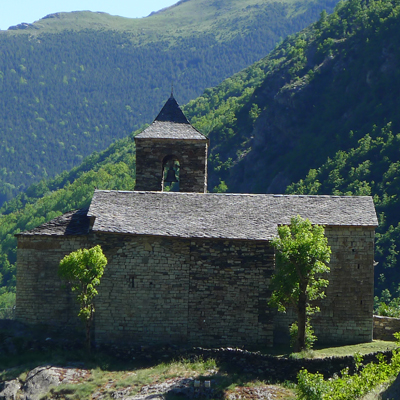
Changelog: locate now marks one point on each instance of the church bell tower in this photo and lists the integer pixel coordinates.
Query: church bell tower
(171, 154)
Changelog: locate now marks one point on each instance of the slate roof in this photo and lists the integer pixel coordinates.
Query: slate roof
(72, 223)
(171, 123)
(209, 215)
(234, 216)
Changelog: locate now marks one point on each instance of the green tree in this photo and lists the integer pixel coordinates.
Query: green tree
(302, 255)
(83, 269)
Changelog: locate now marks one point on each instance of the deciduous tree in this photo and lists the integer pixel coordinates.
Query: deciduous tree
(83, 269)
(302, 255)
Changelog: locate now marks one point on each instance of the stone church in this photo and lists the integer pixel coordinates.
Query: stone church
(190, 267)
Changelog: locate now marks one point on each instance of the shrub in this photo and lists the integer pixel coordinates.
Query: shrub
(310, 337)
(345, 386)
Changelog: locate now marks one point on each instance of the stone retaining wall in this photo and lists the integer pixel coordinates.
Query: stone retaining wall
(385, 327)
(263, 367)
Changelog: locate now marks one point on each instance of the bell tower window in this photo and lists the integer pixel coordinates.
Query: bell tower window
(171, 169)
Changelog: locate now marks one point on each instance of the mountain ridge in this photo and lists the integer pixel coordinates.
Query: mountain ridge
(185, 16)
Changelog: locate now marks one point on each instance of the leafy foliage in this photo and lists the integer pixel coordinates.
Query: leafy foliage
(309, 339)
(348, 387)
(83, 269)
(7, 304)
(387, 306)
(302, 255)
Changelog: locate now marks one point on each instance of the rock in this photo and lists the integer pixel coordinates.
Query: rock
(8, 390)
(39, 381)
(182, 387)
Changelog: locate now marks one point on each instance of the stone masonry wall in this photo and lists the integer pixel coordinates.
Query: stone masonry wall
(200, 292)
(156, 290)
(385, 327)
(41, 296)
(346, 312)
(143, 296)
(229, 290)
(192, 156)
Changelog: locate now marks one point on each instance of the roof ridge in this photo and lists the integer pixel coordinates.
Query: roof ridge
(331, 196)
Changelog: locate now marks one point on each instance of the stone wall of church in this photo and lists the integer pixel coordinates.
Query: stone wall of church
(192, 156)
(156, 290)
(202, 292)
(229, 291)
(386, 327)
(41, 296)
(346, 312)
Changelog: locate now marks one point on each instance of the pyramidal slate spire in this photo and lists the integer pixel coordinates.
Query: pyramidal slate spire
(171, 112)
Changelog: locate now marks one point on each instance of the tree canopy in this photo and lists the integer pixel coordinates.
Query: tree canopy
(83, 269)
(302, 255)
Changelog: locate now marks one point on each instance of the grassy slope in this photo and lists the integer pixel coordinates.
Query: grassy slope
(185, 18)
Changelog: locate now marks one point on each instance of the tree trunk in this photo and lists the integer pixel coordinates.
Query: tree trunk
(88, 329)
(301, 319)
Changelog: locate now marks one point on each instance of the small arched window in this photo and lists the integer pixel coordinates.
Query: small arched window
(171, 168)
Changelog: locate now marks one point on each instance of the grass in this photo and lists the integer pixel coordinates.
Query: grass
(320, 351)
(187, 19)
(362, 348)
(105, 374)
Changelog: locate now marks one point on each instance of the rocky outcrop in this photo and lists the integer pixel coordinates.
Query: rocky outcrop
(24, 25)
(9, 390)
(39, 381)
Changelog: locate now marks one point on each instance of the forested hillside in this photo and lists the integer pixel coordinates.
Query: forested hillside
(329, 91)
(319, 92)
(72, 83)
(372, 167)
(322, 110)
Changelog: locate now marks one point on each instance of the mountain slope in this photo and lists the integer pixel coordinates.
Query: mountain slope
(320, 91)
(72, 83)
(315, 96)
(184, 19)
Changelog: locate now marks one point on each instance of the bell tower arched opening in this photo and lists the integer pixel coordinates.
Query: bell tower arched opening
(170, 174)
